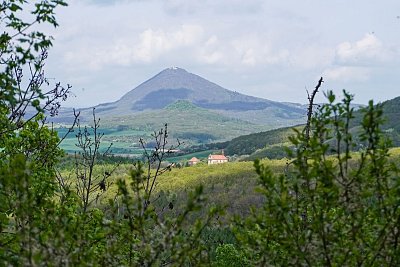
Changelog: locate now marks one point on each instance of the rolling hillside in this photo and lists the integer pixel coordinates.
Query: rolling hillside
(392, 125)
(271, 143)
(186, 122)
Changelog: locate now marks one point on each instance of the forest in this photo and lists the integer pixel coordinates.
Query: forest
(333, 200)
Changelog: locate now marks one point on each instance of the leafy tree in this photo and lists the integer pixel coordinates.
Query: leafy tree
(228, 255)
(141, 237)
(23, 51)
(28, 150)
(331, 207)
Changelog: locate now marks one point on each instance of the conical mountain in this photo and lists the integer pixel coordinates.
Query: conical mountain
(197, 111)
(173, 84)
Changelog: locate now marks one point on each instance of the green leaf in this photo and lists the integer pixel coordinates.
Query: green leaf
(15, 7)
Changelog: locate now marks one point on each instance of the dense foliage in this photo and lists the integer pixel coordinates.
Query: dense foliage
(338, 210)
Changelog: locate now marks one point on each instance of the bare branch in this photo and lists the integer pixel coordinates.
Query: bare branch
(310, 107)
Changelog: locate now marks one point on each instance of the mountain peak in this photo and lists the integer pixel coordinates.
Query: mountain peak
(175, 70)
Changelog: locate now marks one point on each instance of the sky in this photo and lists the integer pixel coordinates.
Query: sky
(271, 49)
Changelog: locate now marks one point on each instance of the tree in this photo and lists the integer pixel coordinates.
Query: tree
(228, 255)
(28, 149)
(89, 186)
(332, 207)
(153, 159)
(26, 94)
(23, 52)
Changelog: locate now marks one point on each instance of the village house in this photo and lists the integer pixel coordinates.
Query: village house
(217, 159)
(193, 161)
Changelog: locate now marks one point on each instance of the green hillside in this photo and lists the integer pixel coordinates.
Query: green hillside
(391, 110)
(248, 144)
(271, 143)
(188, 123)
(231, 184)
(391, 126)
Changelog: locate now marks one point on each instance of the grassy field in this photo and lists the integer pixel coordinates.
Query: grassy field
(69, 145)
(123, 141)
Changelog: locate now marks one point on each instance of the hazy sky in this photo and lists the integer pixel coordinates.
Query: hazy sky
(270, 49)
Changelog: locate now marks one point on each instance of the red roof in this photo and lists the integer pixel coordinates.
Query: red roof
(194, 159)
(217, 157)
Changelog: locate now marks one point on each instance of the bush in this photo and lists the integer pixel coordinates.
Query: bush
(228, 256)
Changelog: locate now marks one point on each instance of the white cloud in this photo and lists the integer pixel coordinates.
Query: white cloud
(154, 43)
(358, 61)
(346, 74)
(210, 52)
(365, 51)
(181, 6)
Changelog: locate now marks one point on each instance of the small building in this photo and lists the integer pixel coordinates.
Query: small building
(217, 159)
(193, 161)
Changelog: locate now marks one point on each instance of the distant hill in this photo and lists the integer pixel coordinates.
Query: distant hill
(391, 111)
(391, 126)
(271, 143)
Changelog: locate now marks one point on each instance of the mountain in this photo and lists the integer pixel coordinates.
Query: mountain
(173, 84)
(198, 111)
